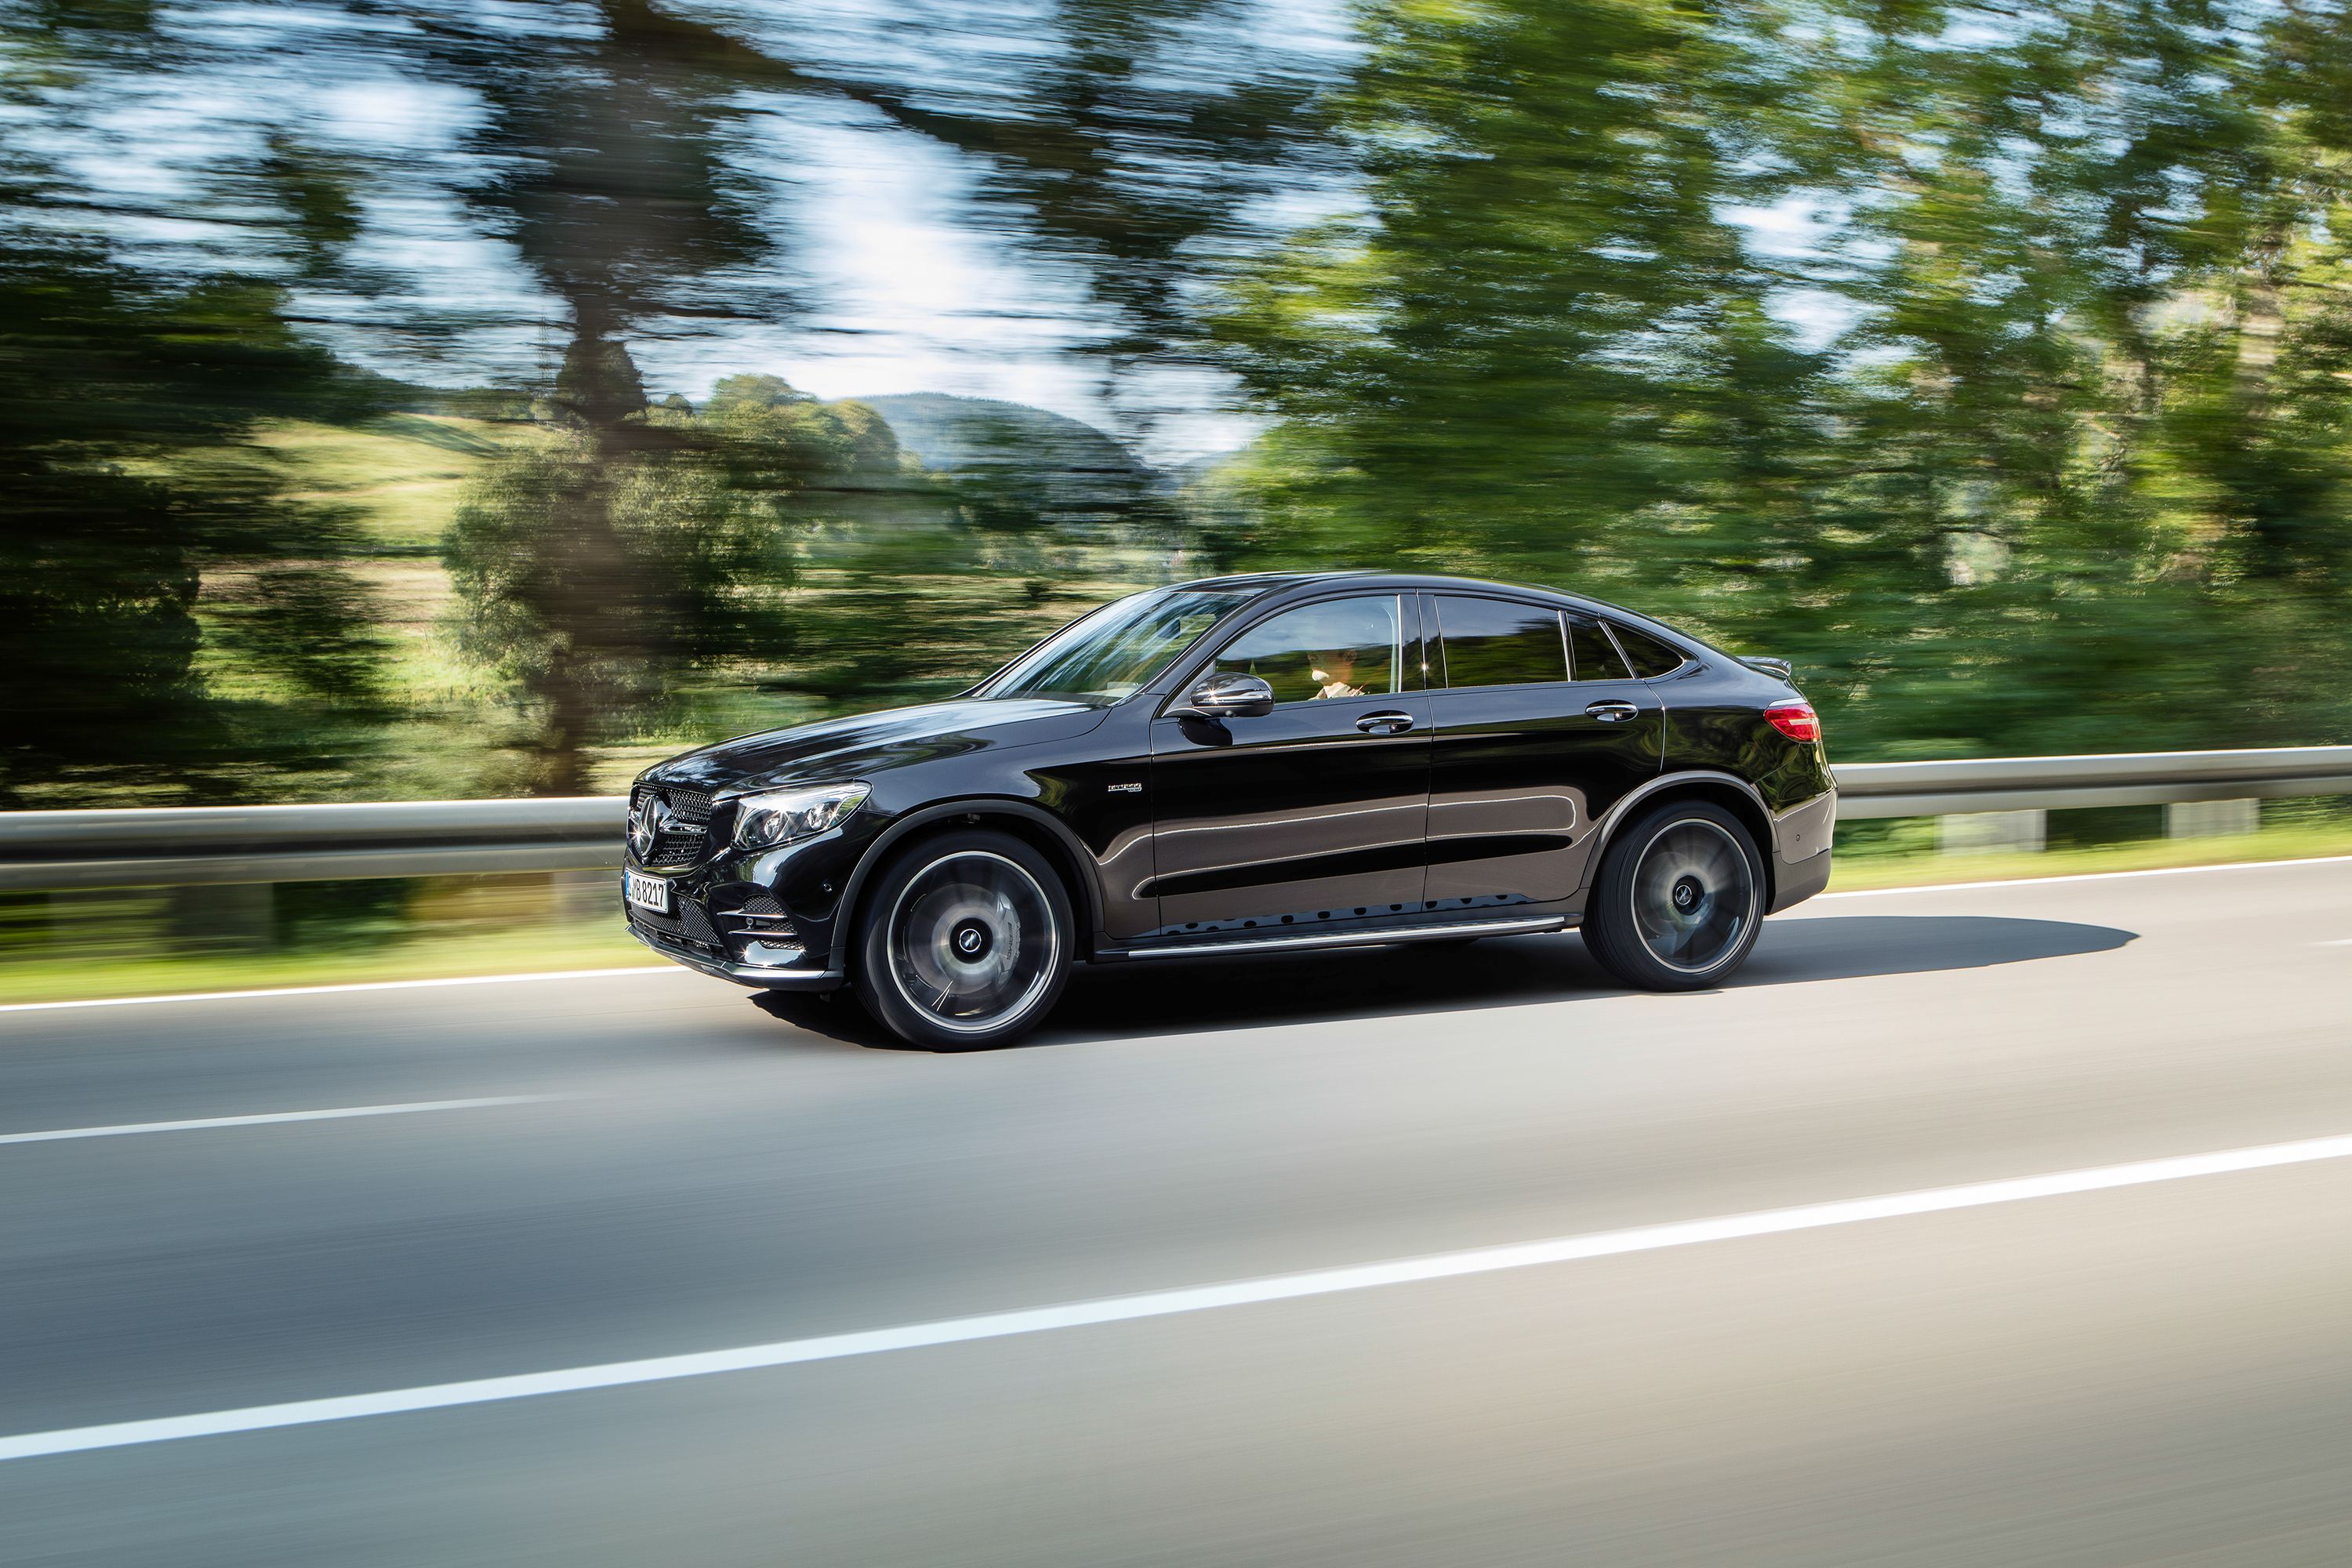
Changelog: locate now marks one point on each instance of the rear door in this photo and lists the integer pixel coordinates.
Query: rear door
(1539, 729)
(1314, 814)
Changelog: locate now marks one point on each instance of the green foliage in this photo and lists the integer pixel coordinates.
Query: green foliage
(2062, 462)
(138, 521)
(609, 587)
(2074, 477)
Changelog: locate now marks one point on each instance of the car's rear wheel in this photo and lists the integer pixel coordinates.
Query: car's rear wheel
(964, 942)
(1679, 899)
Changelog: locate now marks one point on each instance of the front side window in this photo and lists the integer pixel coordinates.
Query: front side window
(1496, 642)
(1340, 647)
(1111, 654)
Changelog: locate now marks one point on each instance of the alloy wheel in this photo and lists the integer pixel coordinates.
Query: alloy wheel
(973, 942)
(1695, 896)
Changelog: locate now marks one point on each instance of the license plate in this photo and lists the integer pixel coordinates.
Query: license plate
(646, 892)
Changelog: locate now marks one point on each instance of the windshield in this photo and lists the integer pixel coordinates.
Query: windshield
(1111, 653)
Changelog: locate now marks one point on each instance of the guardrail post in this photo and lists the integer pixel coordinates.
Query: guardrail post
(584, 895)
(241, 916)
(1992, 832)
(2211, 818)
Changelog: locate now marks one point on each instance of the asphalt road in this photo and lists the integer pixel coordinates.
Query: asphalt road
(2159, 1372)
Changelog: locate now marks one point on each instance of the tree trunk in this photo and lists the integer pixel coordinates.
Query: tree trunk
(593, 592)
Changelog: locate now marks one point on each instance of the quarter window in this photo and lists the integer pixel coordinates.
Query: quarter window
(1596, 656)
(1494, 642)
(1340, 647)
(1651, 657)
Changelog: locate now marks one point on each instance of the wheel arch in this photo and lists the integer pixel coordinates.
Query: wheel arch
(1038, 828)
(1728, 791)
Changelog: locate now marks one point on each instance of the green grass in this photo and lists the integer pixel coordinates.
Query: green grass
(2296, 841)
(402, 473)
(601, 945)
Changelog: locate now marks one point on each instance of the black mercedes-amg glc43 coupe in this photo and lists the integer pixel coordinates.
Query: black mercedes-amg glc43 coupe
(1249, 764)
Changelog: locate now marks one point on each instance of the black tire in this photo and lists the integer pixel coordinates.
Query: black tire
(1679, 899)
(964, 941)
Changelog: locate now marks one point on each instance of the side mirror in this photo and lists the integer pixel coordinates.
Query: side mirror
(1231, 696)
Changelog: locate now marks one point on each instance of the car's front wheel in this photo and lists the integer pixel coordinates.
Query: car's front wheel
(964, 942)
(1679, 899)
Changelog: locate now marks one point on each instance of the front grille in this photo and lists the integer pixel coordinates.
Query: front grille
(759, 917)
(688, 826)
(675, 849)
(669, 944)
(697, 924)
(655, 921)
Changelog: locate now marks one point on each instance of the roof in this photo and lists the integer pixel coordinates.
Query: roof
(1271, 580)
(1271, 583)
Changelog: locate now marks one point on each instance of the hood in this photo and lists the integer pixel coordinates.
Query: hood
(869, 743)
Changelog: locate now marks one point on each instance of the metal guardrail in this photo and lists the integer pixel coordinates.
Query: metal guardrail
(180, 846)
(2063, 784)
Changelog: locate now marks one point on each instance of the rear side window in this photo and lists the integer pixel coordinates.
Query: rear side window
(1650, 656)
(1596, 656)
(1493, 642)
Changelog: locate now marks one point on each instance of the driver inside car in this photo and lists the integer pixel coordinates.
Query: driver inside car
(1336, 676)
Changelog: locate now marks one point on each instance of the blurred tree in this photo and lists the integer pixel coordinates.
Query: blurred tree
(1139, 140)
(1541, 349)
(128, 494)
(173, 621)
(2072, 477)
(2080, 413)
(2059, 459)
(600, 158)
(699, 532)
(607, 158)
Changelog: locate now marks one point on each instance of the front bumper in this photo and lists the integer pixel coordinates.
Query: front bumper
(787, 975)
(759, 919)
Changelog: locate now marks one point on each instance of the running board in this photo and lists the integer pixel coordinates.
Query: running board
(1348, 939)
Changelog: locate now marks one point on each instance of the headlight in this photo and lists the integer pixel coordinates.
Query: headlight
(781, 816)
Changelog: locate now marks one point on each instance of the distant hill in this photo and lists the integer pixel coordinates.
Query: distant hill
(1013, 463)
(954, 435)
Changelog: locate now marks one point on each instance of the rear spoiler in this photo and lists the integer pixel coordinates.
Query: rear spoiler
(1780, 666)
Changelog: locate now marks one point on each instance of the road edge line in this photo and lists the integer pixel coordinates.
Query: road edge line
(271, 1118)
(2075, 877)
(343, 989)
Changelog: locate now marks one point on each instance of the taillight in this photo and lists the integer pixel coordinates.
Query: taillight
(1795, 719)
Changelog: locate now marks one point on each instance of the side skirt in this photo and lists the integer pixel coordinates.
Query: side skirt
(1374, 936)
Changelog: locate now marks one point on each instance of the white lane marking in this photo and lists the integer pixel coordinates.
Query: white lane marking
(1170, 1303)
(2083, 877)
(266, 1119)
(339, 990)
(2339, 941)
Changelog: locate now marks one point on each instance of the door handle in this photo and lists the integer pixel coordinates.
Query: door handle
(1613, 711)
(1387, 723)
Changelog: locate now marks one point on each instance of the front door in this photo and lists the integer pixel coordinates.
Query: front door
(1311, 815)
(1540, 728)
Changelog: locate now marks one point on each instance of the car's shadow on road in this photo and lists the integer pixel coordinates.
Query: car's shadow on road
(1138, 1000)
(1847, 947)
